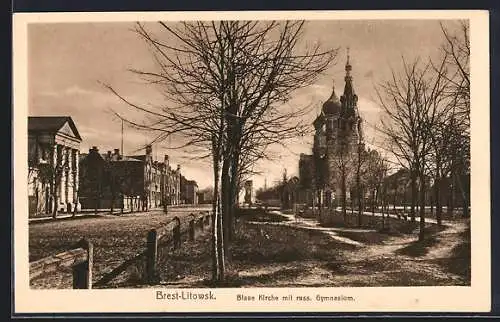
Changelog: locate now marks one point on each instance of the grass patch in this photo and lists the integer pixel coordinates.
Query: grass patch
(268, 243)
(365, 237)
(460, 260)
(259, 215)
(115, 239)
(410, 278)
(337, 268)
(380, 264)
(418, 248)
(266, 278)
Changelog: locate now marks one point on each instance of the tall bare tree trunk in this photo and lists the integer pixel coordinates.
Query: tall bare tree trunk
(437, 201)
(394, 199)
(414, 194)
(360, 208)
(344, 196)
(54, 203)
(404, 200)
(233, 193)
(382, 200)
(421, 234)
(217, 227)
(465, 195)
(374, 204)
(226, 197)
(235, 201)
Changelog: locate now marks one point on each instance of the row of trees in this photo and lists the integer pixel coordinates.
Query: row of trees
(427, 120)
(45, 174)
(226, 84)
(354, 168)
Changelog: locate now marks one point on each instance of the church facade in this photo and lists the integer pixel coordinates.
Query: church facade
(327, 172)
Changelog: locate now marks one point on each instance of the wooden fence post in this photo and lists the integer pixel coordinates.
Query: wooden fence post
(192, 233)
(177, 233)
(151, 254)
(206, 218)
(82, 273)
(200, 221)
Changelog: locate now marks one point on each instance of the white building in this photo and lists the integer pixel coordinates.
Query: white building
(53, 153)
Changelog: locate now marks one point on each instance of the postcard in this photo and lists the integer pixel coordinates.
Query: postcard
(279, 161)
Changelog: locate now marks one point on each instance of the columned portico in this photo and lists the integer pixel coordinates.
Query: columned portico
(54, 144)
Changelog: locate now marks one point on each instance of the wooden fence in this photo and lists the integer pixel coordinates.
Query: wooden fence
(80, 258)
(192, 224)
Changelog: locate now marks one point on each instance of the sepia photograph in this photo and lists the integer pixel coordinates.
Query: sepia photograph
(183, 156)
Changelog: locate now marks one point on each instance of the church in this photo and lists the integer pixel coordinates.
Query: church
(326, 172)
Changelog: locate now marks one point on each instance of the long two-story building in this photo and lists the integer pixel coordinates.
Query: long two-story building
(134, 182)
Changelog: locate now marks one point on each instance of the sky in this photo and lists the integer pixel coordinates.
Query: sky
(67, 62)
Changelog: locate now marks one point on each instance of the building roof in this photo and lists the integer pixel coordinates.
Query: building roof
(51, 124)
(332, 105)
(123, 158)
(126, 158)
(141, 157)
(104, 157)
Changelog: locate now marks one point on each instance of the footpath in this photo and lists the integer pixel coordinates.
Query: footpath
(89, 214)
(106, 213)
(313, 224)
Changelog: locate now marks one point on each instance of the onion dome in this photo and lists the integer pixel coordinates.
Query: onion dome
(332, 105)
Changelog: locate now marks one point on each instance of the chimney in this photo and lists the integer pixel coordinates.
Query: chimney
(117, 155)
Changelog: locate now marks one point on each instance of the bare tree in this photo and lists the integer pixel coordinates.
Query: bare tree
(412, 103)
(51, 172)
(361, 174)
(225, 83)
(373, 176)
(456, 52)
(456, 49)
(344, 164)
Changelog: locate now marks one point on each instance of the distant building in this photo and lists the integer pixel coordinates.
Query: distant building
(171, 181)
(135, 182)
(189, 191)
(53, 172)
(151, 185)
(205, 196)
(110, 181)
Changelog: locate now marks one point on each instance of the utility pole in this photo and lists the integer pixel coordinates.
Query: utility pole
(123, 152)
